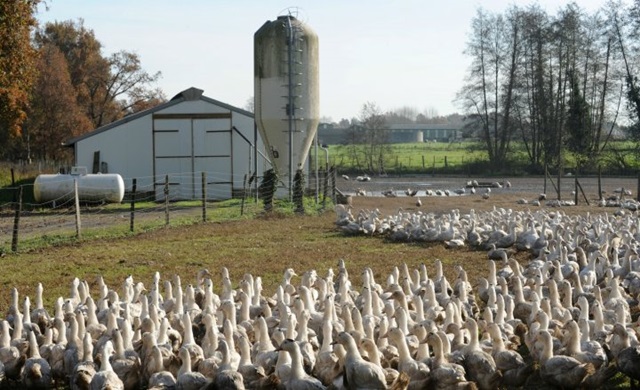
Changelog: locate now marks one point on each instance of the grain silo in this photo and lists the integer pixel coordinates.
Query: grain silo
(286, 93)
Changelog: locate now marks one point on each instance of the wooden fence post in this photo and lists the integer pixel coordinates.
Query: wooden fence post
(583, 194)
(204, 196)
(638, 188)
(575, 190)
(16, 219)
(134, 187)
(244, 194)
(77, 203)
(600, 182)
(166, 200)
(559, 187)
(325, 188)
(333, 184)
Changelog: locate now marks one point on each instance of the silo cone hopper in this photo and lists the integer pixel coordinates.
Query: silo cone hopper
(286, 94)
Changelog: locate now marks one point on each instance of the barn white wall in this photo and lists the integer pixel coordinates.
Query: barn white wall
(126, 149)
(242, 150)
(193, 107)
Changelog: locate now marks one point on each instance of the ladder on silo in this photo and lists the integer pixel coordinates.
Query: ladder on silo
(290, 107)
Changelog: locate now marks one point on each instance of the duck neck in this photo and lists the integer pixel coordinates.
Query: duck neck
(573, 346)
(547, 350)
(498, 344)
(374, 354)
(438, 352)
(303, 320)
(245, 306)
(567, 299)
(403, 348)
(265, 343)
(508, 308)
(419, 306)
(517, 291)
(367, 307)
(473, 336)
(162, 332)
(327, 337)
(584, 330)
(499, 317)
(105, 364)
(185, 368)
(297, 369)
(446, 344)
(245, 352)
(188, 331)
(598, 319)
(383, 342)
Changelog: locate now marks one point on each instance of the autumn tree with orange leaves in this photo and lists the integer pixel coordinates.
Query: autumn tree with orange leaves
(54, 116)
(17, 69)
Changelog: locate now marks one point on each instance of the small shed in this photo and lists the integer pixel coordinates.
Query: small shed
(179, 139)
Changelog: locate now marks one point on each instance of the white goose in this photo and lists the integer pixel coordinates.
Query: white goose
(188, 342)
(514, 370)
(479, 365)
(84, 371)
(561, 371)
(359, 373)
(298, 378)
(415, 369)
(106, 378)
(36, 372)
(188, 379)
(160, 378)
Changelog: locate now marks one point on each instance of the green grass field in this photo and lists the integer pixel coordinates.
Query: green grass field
(466, 158)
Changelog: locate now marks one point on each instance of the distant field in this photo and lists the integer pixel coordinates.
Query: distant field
(412, 156)
(466, 157)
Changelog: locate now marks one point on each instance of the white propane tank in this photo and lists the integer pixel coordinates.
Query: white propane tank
(100, 187)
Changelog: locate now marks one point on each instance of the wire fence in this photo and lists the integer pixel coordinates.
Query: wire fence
(74, 207)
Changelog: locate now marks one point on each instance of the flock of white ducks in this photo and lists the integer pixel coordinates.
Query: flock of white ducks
(565, 319)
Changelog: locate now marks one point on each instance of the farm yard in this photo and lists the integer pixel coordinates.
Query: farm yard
(154, 239)
(315, 247)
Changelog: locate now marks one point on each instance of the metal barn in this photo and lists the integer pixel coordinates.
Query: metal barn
(181, 138)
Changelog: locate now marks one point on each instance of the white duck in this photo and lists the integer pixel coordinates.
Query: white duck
(188, 379)
(36, 372)
(84, 371)
(106, 378)
(298, 378)
(359, 373)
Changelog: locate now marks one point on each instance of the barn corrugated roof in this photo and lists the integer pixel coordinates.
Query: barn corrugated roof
(189, 94)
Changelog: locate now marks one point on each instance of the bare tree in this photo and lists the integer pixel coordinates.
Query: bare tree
(402, 115)
(626, 32)
(249, 105)
(374, 135)
(487, 96)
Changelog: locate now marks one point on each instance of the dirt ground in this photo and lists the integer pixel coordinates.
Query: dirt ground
(520, 189)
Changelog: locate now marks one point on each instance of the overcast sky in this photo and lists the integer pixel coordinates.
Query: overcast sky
(395, 54)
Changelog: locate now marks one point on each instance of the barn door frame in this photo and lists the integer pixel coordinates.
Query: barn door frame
(192, 156)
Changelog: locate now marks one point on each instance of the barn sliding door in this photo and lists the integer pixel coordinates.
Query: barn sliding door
(187, 145)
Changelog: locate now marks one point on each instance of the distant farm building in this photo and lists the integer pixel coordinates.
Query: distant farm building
(181, 138)
(406, 133)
